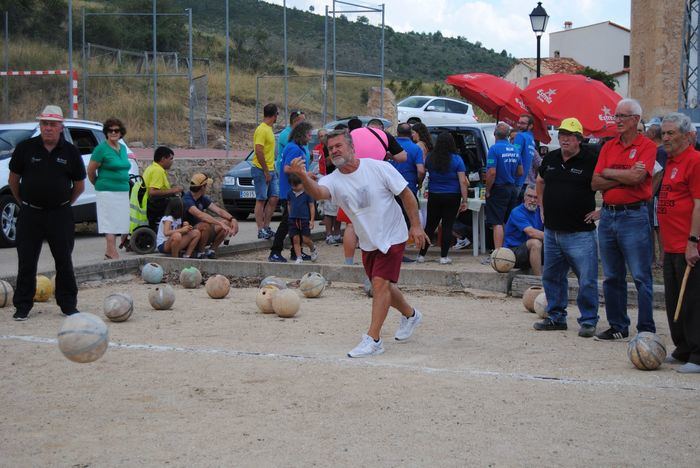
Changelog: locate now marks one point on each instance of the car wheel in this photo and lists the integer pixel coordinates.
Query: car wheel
(9, 210)
(143, 240)
(241, 215)
(413, 120)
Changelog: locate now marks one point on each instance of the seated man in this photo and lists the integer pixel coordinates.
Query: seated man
(159, 191)
(214, 230)
(525, 233)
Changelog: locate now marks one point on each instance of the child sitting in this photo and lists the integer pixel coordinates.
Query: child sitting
(301, 217)
(174, 235)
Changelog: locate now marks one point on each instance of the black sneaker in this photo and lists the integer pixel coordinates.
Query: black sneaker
(612, 335)
(586, 331)
(305, 257)
(20, 316)
(68, 314)
(548, 325)
(276, 258)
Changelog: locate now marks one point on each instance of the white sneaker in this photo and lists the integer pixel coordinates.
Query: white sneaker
(445, 260)
(407, 325)
(314, 255)
(462, 243)
(367, 347)
(420, 259)
(298, 261)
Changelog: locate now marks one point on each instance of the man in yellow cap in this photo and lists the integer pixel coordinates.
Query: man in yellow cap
(567, 204)
(214, 230)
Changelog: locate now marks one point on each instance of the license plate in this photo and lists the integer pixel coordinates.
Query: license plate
(248, 194)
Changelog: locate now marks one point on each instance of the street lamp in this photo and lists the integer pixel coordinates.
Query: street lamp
(538, 19)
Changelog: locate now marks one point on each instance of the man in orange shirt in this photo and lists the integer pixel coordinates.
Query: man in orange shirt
(623, 174)
(679, 221)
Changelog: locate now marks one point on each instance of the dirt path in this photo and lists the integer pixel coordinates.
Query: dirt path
(215, 383)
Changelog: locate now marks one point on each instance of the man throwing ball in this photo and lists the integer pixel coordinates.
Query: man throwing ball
(365, 190)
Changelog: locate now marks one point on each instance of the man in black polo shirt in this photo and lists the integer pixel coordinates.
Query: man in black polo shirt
(47, 175)
(568, 209)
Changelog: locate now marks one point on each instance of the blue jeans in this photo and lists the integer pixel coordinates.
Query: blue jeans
(577, 251)
(624, 238)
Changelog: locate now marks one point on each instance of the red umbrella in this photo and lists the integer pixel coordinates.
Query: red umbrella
(556, 97)
(497, 97)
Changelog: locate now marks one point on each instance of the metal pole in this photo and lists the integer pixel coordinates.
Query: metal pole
(381, 96)
(324, 80)
(335, 113)
(70, 57)
(85, 66)
(189, 75)
(228, 87)
(257, 100)
(155, 78)
(538, 55)
(6, 85)
(286, 77)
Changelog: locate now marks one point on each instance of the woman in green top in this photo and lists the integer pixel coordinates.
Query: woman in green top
(109, 173)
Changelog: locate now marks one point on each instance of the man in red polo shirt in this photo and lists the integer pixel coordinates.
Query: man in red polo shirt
(679, 221)
(623, 174)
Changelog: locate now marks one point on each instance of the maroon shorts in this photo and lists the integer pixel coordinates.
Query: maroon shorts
(384, 265)
(341, 217)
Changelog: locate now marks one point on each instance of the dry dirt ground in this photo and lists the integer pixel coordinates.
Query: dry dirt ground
(215, 383)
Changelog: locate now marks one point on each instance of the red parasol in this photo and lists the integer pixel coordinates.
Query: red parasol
(497, 97)
(556, 97)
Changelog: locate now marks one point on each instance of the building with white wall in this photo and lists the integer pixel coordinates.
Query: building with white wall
(525, 70)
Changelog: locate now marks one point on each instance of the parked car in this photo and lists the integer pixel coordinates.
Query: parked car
(82, 133)
(364, 118)
(434, 110)
(238, 191)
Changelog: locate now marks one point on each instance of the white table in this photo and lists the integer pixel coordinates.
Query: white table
(476, 205)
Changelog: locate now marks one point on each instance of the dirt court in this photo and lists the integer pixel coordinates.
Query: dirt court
(215, 383)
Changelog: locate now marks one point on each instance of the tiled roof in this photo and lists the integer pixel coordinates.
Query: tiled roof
(553, 65)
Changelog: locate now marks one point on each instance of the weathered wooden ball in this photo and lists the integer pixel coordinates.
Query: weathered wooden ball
(83, 337)
(274, 280)
(540, 305)
(162, 297)
(118, 307)
(502, 260)
(263, 299)
(190, 278)
(43, 290)
(6, 293)
(646, 351)
(312, 284)
(529, 297)
(286, 303)
(152, 273)
(217, 286)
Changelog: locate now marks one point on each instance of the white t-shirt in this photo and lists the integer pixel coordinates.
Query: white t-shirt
(367, 197)
(161, 237)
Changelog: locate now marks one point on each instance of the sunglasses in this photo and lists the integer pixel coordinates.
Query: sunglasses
(114, 130)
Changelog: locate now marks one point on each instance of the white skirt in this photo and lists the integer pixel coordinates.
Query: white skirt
(112, 212)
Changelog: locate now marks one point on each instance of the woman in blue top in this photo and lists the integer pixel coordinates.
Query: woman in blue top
(447, 192)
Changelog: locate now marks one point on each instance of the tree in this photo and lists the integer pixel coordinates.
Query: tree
(607, 79)
(362, 20)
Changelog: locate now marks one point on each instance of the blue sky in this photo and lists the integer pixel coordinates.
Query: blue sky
(497, 24)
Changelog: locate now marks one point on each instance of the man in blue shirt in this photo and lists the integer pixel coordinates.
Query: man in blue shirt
(295, 118)
(413, 169)
(503, 167)
(525, 233)
(525, 145)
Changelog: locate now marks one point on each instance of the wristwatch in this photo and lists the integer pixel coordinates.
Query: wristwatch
(693, 239)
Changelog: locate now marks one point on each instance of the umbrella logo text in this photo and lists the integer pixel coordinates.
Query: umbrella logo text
(606, 116)
(546, 96)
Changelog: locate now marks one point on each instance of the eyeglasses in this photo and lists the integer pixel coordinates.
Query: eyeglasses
(623, 116)
(114, 130)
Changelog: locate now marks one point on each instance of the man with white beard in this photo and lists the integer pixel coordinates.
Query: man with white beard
(525, 233)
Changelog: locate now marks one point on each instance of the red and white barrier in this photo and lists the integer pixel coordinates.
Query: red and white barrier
(74, 81)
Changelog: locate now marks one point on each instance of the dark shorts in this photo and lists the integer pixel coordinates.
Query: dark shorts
(161, 248)
(299, 227)
(384, 265)
(522, 256)
(502, 200)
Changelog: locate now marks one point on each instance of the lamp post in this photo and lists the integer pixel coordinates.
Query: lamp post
(538, 19)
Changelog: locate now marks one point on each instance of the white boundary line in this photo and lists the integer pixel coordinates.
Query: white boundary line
(661, 385)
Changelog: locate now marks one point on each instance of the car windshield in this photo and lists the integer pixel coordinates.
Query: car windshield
(413, 101)
(10, 138)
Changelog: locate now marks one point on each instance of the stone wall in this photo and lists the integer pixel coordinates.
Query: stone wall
(183, 169)
(655, 54)
(374, 106)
